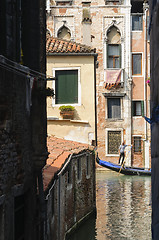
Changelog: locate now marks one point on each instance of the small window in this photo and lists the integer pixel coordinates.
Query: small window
(69, 175)
(114, 141)
(138, 108)
(114, 56)
(88, 165)
(137, 144)
(137, 64)
(114, 108)
(66, 86)
(137, 22)
(79, 172)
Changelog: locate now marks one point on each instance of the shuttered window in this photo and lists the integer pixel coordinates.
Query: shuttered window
(66, 86)
(114, 108)
(138, 108)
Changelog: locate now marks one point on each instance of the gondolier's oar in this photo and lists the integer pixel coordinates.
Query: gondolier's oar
(124, 160)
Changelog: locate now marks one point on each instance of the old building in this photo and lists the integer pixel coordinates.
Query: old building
(118, 31)
(69, 185)
(73, 66)
(154, 37)
(23, 150)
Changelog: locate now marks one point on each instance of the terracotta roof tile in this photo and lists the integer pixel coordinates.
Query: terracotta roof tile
(57, 45)
(59, 149)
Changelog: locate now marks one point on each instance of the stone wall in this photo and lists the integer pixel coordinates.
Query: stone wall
(70, 200)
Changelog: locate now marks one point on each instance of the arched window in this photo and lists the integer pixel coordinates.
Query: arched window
(113, 48)
(64, 33)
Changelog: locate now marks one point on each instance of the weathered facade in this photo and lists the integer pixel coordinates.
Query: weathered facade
(73, 66)
(23, 150)
(69, 184)
(118, 31)
(154, 49)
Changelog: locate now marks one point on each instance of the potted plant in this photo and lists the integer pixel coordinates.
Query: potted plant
(67, 111)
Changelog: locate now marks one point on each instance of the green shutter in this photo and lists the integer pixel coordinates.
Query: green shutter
(66, 86)
(142, 108)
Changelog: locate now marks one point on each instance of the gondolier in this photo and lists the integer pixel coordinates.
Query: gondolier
(122, 152)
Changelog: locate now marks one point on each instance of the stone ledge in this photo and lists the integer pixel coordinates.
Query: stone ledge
(67, 120)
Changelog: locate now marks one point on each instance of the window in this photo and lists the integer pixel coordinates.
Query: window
(114, 56)
(138, 108)
(137, 22)
(66, 86)
(79, 169)
(137, 144)
(19, 217)
(114, 108)
(137, 64)
(113, 48)
(88, 165)
(63, 2)
(114, 141)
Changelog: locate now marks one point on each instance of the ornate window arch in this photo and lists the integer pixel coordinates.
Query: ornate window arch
(64, 32)
(113, 47)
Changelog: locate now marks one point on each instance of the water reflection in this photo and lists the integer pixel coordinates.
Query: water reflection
(123, 210)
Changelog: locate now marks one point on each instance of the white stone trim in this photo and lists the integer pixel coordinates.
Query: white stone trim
(79, 86)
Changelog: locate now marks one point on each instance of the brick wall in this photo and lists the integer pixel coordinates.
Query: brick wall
(76, 198)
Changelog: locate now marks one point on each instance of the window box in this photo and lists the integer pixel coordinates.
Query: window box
(67, 112)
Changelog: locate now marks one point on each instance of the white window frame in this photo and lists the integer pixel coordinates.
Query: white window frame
(142, 67)
(106, 140)
(79, 86)
(106, 109)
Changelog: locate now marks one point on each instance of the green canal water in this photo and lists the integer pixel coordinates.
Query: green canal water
(123, 209)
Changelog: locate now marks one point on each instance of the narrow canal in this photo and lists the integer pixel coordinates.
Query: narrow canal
(123, 209)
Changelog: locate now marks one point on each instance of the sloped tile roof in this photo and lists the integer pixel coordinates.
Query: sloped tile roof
(56, 45)
(59, 150)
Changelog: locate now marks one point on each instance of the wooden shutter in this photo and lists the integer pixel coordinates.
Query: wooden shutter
(142, 108)
(66, 86)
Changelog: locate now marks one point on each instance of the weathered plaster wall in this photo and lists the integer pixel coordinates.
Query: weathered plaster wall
(82, 128)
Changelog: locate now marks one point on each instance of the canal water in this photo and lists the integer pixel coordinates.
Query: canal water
(123, 209)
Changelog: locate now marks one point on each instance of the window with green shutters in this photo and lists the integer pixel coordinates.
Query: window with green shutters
(66, 86)
(137, 108)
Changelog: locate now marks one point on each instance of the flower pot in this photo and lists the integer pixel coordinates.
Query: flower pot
(67, 114)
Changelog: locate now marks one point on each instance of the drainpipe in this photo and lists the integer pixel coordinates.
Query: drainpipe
(145, 85)
(145, 72)
(95, 100)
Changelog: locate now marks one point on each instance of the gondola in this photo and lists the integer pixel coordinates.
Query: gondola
(124, 170)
